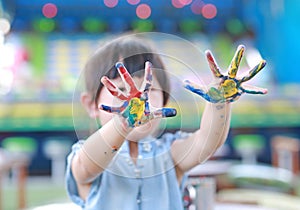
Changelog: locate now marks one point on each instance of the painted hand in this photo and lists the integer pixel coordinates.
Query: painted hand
(135, 108)
(228, 87)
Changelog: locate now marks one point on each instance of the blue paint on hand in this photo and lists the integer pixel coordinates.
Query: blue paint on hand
(106, 108)
(169, 112)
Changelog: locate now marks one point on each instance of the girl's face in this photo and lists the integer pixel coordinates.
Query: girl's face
(155, 101)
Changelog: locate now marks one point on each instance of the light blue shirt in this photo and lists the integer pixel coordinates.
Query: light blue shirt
(149, 184)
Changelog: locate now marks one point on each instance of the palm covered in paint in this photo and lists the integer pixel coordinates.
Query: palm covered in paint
(135, 108)
(229, 88)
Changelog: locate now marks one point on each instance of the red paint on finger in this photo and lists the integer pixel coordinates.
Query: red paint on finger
(109, 83)
(126, 76)
(122, 69)
(137, 94)
(210, 57)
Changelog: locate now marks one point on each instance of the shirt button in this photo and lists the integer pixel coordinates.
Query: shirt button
(129, 161)
(147, 147)
(137, 173)
(138, 201)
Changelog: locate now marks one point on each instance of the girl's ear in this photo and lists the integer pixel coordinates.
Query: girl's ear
(89, 104)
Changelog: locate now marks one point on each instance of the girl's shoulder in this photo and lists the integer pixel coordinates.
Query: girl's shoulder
(175, 136)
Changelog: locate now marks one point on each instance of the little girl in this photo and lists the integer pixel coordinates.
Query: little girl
(122, 166)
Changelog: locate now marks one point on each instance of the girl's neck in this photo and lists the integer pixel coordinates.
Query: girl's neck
(133, 150)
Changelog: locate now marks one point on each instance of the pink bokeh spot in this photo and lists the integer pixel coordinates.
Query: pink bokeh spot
(49, 10)
(143, 11)
(111, 3)
(177, 4)
(185, 2)
(196, 7)
(133, 2)
(209, 11)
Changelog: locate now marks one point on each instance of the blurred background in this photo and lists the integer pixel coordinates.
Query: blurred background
(45, 44)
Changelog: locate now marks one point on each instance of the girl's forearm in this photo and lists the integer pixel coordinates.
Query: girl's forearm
(98, 150)
(215, 123)
(214, 127)
(204, 142)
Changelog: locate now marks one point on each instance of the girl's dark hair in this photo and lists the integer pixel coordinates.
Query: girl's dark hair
(133, 52)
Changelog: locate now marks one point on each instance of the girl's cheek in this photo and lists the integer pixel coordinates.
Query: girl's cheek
(156, 98)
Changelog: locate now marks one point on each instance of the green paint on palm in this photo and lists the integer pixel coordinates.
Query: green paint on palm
(215, 94)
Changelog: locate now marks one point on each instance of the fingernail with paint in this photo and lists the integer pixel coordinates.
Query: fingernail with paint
(169, 112)
(104, 107)
(120, 66)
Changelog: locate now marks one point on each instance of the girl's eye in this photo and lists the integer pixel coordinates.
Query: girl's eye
(122, 89)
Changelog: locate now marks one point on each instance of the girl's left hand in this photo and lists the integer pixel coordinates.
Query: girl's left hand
(228, 88)
(135, 109)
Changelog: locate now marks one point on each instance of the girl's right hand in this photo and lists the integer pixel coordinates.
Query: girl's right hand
(135, 108)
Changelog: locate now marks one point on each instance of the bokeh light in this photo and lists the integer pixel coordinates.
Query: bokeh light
(143, 25)
(44, 25)
(209, 11)
(133, 2)
(4, 26)
(111, 3)
(235, 26)
(143, 11)
(6, 80)
(189, 26)
(185, 2)
(177, 4)
(49, 10)
(93, 25)
(7, 55)
(196, 7)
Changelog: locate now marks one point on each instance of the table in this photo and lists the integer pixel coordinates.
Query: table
(211, 168)
(233, 206)
(262, 177)
(268, 199)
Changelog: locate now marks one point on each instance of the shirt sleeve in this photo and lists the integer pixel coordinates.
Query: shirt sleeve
(169, 139)
(71, 185)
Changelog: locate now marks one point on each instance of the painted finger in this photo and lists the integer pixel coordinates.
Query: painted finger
(253, 71)
(147, 109)
(250, 89)
(163, 113)
(235, 62)
(127, 79)
(113, 89)
(195, 88)
(213, 64)
(147, 83)
(147, 77)
(112, 109)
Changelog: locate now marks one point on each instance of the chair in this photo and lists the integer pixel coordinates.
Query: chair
(56, 149)
(20, 150)
(248, 146)
(285, 153)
